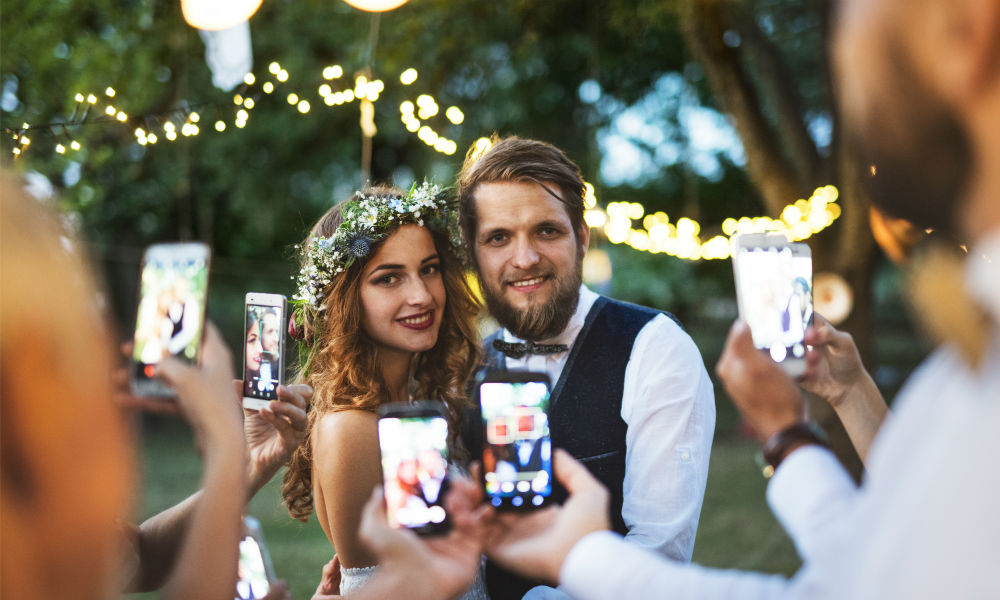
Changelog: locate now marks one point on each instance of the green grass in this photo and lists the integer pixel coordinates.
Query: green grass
(736, 528)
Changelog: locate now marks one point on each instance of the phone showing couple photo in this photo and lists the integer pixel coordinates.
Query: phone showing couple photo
(774, 295)
(264, 348)
(413, 439)
(517, 448)
(170, 319)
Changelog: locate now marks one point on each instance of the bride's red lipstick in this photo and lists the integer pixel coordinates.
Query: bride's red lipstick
(419, 321)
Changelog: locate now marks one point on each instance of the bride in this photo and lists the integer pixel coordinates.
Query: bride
(384, 314)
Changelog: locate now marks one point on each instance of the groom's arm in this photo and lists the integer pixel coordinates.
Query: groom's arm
(669, 407)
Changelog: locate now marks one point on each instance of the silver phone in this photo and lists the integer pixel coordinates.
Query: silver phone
(774, 293)
(263, 348)
(170, 318)
(255, 570)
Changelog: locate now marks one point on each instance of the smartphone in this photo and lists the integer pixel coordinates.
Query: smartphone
(517, 448)
(255, 570)
(170, 318)
(413, 439)
(774, 294)
(263, 349)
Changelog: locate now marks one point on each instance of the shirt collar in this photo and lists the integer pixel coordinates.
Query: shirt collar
(568, 334)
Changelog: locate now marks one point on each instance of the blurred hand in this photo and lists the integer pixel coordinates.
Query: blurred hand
(329, 582)
(428, 567)
(274, 431)
(833, 364)
(124, 397)
(536, 544)
(765, 394)
(205, 394)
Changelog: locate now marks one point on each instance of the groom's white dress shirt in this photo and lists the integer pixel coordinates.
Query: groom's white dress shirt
(669, 408)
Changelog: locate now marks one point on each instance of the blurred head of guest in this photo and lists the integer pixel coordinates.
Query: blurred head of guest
(66, 459)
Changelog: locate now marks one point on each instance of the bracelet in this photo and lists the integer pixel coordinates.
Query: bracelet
(781, 444)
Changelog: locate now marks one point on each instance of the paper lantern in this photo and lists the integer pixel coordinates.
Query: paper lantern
(376, 5)
(215, 15)
(832, 297)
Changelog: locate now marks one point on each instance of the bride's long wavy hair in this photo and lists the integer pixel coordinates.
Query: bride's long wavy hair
(344, 365)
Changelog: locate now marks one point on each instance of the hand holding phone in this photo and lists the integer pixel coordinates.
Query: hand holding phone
(774, 294)
(413, 439)
(264, 349)
(517, 449)
(173, 290)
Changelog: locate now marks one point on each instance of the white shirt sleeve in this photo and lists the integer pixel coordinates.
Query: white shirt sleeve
(812, 496)
(669, 407)
(603, 566)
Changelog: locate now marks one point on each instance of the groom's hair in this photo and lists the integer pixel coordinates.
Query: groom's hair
(513, 159)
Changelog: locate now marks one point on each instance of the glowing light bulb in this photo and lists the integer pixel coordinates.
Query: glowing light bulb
(282, 76)
(333, 72)
(216, 15)
(293, 98)
(303, 106)
(408, 76)
(75, 145)
(60, 149)
(268, 87)
(109, 92)
(220, 126)
(249, 79)
(455, 115)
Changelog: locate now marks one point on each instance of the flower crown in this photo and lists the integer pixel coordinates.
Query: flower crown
(367, 219)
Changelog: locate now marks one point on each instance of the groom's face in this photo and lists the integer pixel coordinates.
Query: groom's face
(529, 257)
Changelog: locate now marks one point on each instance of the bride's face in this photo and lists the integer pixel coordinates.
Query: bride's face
(402, 292)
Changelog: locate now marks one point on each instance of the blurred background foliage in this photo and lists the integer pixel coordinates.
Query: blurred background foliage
(633, 90)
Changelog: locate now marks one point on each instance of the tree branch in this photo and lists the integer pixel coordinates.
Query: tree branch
(778, 84)
(704, 26)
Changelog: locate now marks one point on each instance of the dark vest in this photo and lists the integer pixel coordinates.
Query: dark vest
(584, 411)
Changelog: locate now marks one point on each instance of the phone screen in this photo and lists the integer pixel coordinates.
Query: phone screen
(253, 581)
(776, 293)
(263, 363)
(517, 455)
(171, 309)
(415, 470)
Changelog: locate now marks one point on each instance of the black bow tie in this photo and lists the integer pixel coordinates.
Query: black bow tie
(517, 350)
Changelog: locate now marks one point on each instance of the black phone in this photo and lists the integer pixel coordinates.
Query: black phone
(264, 349)
(255, 570)
(413, 439)
(170, 318)
(517, 448)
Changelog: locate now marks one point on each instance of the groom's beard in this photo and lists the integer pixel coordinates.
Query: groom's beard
(538, 322)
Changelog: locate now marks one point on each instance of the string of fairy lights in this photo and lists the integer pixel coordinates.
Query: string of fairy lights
(621, 222)
(417, 114)
(683, 239)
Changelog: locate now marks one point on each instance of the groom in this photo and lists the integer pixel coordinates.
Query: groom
(631, 398)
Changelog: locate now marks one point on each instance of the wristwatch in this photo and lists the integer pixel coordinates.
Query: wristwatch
(781, 444)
